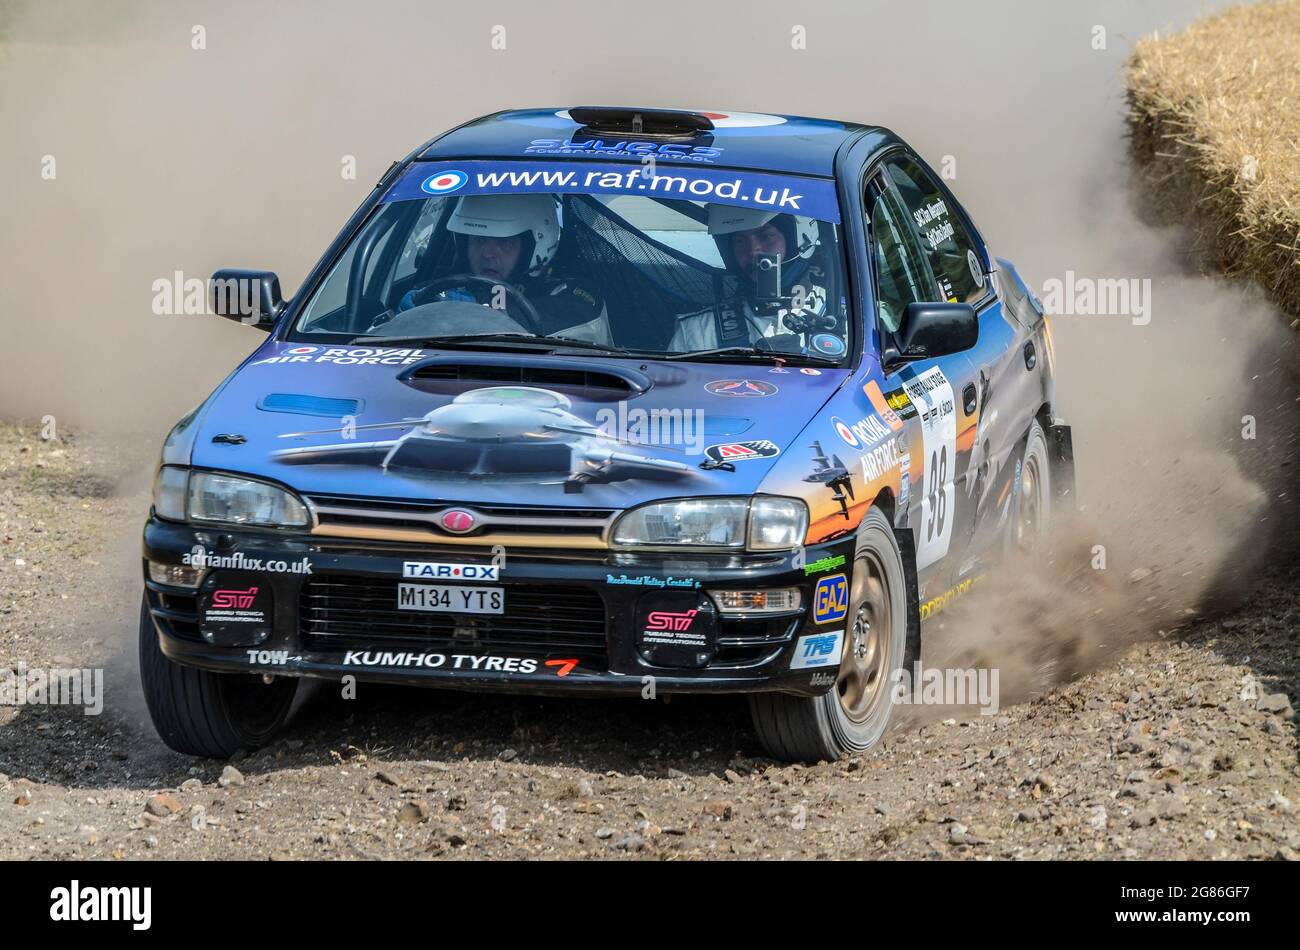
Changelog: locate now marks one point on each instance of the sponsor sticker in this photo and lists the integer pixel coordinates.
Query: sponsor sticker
(882, 407)
(817, 649)
(861, 433)
(827, 563)
(445, 182)
(346, 356)
(740, 387)
(463, 662)
(435, 570)
(829, 344)
(645, 580)
(686, 180)
(831, 599)
(742, 451)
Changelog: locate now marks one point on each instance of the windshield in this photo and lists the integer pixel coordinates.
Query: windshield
(675, 262)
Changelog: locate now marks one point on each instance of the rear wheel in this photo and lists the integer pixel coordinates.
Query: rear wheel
(197, 712)
(854, 713)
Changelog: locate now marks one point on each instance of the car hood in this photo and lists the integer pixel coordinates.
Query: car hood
(506, 428)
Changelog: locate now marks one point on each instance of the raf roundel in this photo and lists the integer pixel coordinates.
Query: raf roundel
(445, 182)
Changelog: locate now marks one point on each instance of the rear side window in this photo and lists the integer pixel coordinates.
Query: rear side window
(945, 240)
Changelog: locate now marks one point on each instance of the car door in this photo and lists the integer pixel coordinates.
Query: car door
(924, 394)
(994, 414)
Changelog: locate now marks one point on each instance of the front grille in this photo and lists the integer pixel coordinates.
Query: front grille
(361, 612)
(418, 521)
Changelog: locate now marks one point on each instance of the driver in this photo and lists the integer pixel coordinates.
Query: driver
(743, 235)
(511, 240)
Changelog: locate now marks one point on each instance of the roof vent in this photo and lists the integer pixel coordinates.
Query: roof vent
(648, 123)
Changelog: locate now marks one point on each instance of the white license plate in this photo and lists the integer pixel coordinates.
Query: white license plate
(451, 599)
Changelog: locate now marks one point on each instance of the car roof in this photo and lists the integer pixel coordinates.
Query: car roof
(779, 143)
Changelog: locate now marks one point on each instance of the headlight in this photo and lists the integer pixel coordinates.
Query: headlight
(765, 524)
(169, 492)
(777, 524)
(229, 499)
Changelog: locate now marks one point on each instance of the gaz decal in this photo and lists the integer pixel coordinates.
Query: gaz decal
(831, 599)
(931, 394)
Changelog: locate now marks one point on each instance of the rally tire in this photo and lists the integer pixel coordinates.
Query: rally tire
(824, 728)
(1031, 512)
(213, 715)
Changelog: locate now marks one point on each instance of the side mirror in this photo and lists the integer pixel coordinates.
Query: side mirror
(250, 297)
(937, 329)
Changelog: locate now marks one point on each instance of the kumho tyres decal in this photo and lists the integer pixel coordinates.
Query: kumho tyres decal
(791, 194)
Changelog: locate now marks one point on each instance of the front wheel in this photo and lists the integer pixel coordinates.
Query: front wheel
(854, 713)
(197, 712)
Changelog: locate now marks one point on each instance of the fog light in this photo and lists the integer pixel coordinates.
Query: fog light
(177, 575)
(756, 601)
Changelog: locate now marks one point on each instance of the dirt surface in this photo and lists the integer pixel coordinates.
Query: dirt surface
(1180, 747)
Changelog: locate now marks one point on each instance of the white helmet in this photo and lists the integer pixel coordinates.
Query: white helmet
(800, 230)
(507, 215)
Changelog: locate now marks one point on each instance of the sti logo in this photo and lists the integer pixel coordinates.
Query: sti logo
(451, 572)
(236, 599)
(831, 599)
(669, 620)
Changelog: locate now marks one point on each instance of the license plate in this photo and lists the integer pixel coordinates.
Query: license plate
(451, 599)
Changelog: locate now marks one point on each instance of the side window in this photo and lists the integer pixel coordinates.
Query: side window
(902, 274)
(947, 243)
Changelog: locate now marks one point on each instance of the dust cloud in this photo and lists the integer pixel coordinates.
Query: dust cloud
(171, 159)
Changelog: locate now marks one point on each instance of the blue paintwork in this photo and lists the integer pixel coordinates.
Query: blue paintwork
(793, 144)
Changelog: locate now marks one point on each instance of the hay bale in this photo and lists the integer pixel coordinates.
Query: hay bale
(1214, 122)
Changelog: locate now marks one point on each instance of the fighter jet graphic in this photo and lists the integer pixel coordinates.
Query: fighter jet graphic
(835, 477)
(519, 433)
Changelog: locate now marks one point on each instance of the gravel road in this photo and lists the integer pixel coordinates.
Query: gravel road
(1182, 745)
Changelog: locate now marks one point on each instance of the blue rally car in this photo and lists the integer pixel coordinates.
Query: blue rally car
(608, 400)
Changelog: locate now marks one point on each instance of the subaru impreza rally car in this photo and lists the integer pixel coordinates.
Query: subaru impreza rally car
(608, 401)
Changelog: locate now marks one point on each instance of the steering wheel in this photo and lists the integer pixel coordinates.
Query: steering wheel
(534, 319)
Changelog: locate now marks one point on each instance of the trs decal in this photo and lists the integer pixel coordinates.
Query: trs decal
(831, 599)
(930, 394)
(817, 649)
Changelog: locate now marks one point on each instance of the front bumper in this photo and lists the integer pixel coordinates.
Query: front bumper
(574, 622)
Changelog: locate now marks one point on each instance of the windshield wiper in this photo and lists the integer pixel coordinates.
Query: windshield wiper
(749, 353)
(530, 341)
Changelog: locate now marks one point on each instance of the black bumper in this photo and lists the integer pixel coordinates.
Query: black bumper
(573, 622)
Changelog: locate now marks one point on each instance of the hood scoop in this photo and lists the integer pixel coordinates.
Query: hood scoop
(448, 374)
